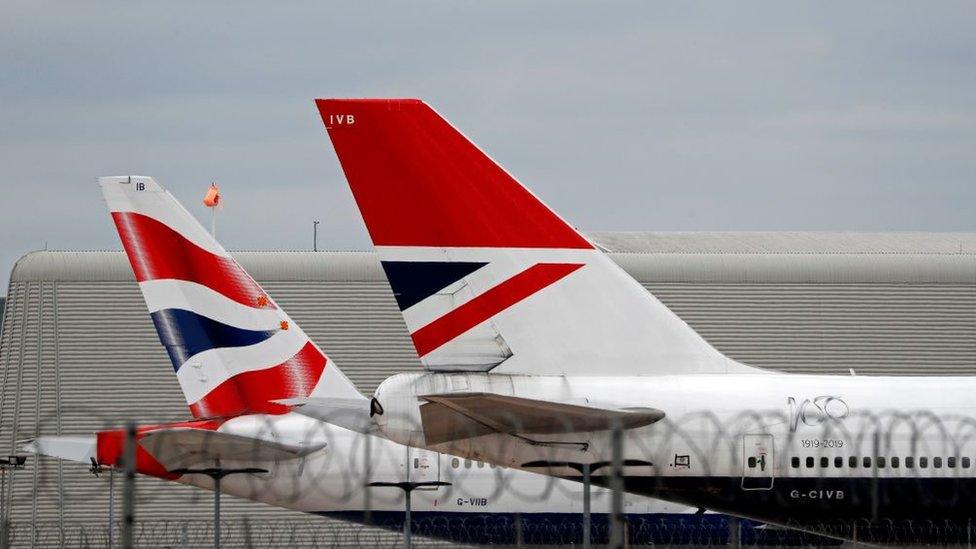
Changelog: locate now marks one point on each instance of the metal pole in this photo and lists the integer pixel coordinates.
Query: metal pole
(617, 540)
(734, 533)
(367, 472)
(216, 540)
(315, 236)
(3, 509)
(406, 520)
(129, 494)
(111, 507)
(586, 506)
(213, 221)
(247, 534)
(874, 478)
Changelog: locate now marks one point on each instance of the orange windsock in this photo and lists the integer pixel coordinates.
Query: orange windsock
(213, 196)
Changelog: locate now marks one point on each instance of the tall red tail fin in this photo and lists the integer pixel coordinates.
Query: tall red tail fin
(486, 275)
(452, 192)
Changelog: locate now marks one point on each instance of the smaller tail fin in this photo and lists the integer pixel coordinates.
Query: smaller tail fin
(233, 349)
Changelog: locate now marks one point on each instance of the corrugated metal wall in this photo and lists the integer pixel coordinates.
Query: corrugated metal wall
(78, 351)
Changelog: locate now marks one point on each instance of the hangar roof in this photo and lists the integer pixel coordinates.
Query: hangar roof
(649, 256)
(787, 242)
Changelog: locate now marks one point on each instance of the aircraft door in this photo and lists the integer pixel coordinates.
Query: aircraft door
(758, 459)
(423, 466)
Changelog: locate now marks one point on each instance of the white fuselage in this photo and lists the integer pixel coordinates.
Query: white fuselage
(762, 441)
(334, 478)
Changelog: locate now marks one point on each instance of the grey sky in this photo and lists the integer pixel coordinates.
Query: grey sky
(623, 116)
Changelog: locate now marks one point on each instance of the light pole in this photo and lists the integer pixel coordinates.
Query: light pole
(216, 474)
(315, 235)
(586, 471)
(407, 488)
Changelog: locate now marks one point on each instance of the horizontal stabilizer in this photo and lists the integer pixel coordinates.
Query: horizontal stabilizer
(348, 413)
(456, 416)
(71, 448)
(184, 447)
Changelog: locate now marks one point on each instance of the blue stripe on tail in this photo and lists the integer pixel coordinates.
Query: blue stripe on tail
(185, 333)
(415, 281)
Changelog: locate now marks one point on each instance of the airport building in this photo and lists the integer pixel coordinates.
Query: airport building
(78, 351)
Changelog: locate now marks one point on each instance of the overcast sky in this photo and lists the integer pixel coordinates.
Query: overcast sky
(623, 116)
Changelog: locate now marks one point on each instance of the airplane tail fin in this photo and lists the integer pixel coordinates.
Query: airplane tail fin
(233, 349)
(486, 275)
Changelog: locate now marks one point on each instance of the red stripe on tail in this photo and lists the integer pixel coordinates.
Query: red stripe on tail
(156, 252)
(252, 392)
(488, 304)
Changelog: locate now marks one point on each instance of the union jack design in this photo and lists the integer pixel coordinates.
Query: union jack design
(486, 275)
(233, 349)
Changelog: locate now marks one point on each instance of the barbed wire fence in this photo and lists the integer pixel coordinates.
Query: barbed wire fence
(825, 478)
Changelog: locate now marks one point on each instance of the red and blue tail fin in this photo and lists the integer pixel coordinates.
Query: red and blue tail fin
(233, 349)
(486, 275)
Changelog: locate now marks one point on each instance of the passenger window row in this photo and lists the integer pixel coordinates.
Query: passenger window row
(455, 463)
(880, 462)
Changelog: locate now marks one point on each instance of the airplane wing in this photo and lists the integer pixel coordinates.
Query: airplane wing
(182, 447)
(176, 448)
(456, 416)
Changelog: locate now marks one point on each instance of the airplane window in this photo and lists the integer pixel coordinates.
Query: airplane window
(923, 462)
(416, 463)
(937, 462)
(852, 462)
(795, 462)
(838, 462)
(481, 465)
(881, 462)
(951, 462)
(894, 463)
(965, 463)
(455, 463)
(809, 462)
(467, 464)
(910, 462)
(752, 462)
(492, 465)
(824, 462)
(866, 461)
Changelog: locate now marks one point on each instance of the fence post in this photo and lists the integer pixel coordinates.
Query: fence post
(216, 538)
(247, 534)
(129, 494)
(367, 472)
(617, 539)
(111, 508)
(3, 509)
(406, 520)
(874, 476)
(735, 532)
(587, 517)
